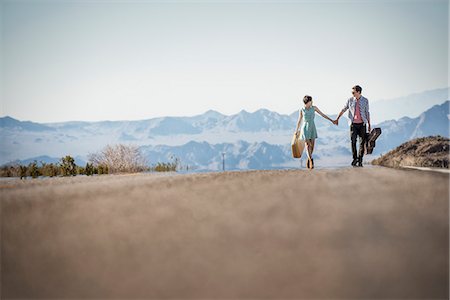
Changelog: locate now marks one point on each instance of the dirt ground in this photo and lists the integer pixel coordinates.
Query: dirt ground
(350, 233)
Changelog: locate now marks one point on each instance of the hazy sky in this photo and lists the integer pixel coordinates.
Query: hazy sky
(128, 60)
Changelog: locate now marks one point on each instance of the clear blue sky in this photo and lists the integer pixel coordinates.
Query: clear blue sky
(120, 60)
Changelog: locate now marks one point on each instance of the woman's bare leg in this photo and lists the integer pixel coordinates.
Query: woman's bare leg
(309, 147)
(312, 150)
(308, 158)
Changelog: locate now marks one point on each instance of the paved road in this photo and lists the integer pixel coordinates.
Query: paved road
(365, 233)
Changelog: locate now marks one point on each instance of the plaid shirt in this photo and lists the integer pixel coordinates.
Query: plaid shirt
(363, 107)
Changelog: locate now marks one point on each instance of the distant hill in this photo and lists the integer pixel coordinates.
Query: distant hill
(434, 121)
(13, 124)
(430, 151)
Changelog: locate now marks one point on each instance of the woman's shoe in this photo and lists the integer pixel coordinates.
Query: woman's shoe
(307, 163)
(312, 163)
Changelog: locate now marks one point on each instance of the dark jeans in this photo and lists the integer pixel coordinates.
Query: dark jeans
(355, 131)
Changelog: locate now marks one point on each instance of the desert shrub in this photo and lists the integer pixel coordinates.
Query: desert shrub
(49, 169)
(167, 166)
(89, 169)
(118, 158)
(102, 169)
(10, 170)
(80, 170)
(164, 167)
(23, 172)
(33, 170)
(68, 166)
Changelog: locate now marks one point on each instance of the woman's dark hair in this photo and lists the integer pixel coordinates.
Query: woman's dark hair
(357, 88)
(306, 99)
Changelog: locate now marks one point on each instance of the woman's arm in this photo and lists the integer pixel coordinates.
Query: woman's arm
(300, 117)
(322, 114)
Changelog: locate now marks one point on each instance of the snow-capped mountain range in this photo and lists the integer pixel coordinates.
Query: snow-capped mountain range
(250, 140)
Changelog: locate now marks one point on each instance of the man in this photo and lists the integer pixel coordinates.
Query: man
(359, 116)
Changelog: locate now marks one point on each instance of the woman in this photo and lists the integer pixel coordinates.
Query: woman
(309, 132)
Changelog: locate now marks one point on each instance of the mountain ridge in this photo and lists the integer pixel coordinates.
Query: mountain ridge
(262, 127)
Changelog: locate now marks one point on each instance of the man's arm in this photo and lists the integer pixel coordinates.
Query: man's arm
(340, 114)
(344, 109)
(368, 115)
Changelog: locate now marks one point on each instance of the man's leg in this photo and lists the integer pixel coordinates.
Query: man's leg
(353, 136)
(362, 142)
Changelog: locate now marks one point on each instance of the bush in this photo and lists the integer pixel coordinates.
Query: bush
(80, 170)
(50, 169)
(68, 166)
(10, 170)
(118, 158)
(33, 169)
(164, 167)
(23, 171)
(112, 159)
(89, 169)
(102, 169)
(167, 167)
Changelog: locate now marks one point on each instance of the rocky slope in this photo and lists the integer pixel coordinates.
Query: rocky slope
(432, 151)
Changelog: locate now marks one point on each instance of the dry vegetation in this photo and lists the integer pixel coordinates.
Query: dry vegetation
(120, 159)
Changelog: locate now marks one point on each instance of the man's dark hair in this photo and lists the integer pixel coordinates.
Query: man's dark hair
(306, 99)
(357, 88)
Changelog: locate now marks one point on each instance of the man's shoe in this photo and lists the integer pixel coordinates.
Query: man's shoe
(354, 162)
(360, 164)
